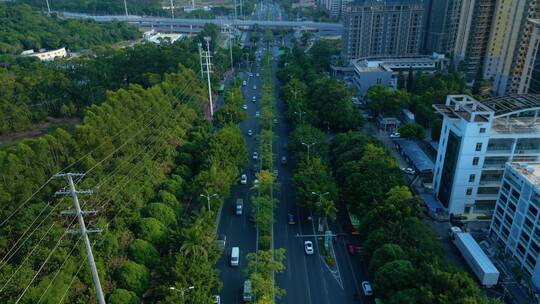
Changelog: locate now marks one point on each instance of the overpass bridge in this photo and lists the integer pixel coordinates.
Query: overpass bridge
(146, 21)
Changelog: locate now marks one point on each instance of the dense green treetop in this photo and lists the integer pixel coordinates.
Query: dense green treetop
(22, 29)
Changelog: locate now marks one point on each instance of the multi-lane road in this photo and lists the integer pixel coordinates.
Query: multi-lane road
(307, 278)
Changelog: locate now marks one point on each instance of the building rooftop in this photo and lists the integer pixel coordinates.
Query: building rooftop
(416, 155)
(529, 171)
(513, 104)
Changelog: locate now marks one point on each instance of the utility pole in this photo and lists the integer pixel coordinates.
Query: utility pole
(200, 58)
(241, 10)
(230, 45)
(48, 7)
(208, 64)
(82, 227)
(125, 7)
(193, 4)
(235, 16)
(172, 15)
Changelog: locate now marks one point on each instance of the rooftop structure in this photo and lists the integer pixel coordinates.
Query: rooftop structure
(384, 71)
(515, 225)
(477, 139)
(44, 55)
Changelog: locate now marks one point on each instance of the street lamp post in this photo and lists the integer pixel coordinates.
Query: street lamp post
(182, 291)
(309, 146)
(299, 113)
(208, 197)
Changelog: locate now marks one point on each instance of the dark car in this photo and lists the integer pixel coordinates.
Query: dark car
(284, 160)
(291, 219)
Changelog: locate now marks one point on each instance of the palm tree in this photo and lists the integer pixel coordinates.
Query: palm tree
(326, 209)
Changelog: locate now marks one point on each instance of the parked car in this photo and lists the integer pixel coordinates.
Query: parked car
(244, 107)
(366, 287)
(243, 179)
(258, 74)
(308, 247)
(408, 170)
(291, 219)
(244, 83)
(217, 300)
(395, 135)
(254, 87)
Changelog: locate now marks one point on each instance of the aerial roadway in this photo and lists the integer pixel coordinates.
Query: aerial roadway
(177, 22)
(307, 279)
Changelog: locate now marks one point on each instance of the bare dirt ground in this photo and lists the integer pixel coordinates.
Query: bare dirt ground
(37, 129)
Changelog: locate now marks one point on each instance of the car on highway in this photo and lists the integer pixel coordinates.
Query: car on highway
(257, 114)
(235, 256)
(408, 170)
(249, 132)
(250, 74)
(258, 75)
(243, 179)
(276, 173)
(254, 99)
(395, 135)
(291, 219)
(284, 160)
(244, 83)
(366, 287)
(255, 155)
(244, 107)
(275, 120)
(308, 247)
(351, 249)
(254, 87)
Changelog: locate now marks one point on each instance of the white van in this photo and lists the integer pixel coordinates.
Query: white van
(235, 256)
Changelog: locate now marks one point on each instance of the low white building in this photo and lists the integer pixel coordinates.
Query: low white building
(477, 139)
(385, 70)
(158, 38)
(46, 55)
(516, 223)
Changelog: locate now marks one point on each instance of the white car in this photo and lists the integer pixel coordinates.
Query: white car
(254, 98)
(258, 74)
(244, 107)
(244, 83)
(308, 247)
(254, 87)
(217, 300)
(255, 155)
(408, 170)
(395, 135)
(250, 74)
(366, 287)
(243, 179)
(257, 114)
(250, 132)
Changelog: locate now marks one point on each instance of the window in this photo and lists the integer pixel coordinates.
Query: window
(469, 191)
(475, 161)
(479, 147)
(471, 178)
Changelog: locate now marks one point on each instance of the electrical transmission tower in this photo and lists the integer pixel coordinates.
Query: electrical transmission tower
(82, 227)
(206, 67)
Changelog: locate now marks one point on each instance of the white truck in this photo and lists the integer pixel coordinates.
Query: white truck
(479, 262)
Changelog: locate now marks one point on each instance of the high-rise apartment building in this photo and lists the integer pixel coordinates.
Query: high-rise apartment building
(477, 139)
(442, 24)
(529, 81)
(382, 28)
(472, 34)
(508, 44)
(515, 226)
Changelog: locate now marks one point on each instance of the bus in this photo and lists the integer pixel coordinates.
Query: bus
(355, 222)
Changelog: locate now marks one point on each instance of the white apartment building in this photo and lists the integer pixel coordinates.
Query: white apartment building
(477, 139)
(516, 224)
